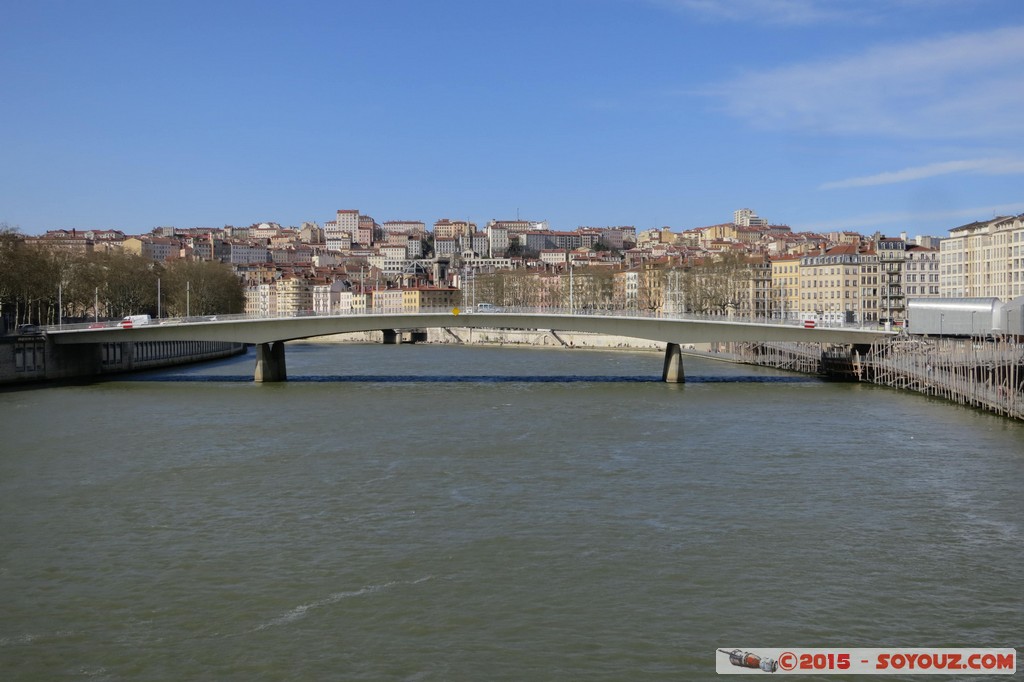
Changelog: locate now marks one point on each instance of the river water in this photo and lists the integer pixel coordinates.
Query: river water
(460, 513)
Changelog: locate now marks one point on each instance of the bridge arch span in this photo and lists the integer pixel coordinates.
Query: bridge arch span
(269, 334)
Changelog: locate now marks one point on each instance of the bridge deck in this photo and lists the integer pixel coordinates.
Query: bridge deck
(269, 334)
(675, 329)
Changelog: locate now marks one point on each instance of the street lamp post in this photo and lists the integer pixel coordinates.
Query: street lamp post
(188, 298)
(158, 298)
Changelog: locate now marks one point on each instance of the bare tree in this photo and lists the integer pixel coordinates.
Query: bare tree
(717, 286)
(202, 288)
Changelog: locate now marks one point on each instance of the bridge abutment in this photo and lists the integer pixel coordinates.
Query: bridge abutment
(270, 364)
(390, 336)
(672, 373)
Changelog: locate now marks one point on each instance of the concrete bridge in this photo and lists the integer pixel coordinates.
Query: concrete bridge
(269, 334)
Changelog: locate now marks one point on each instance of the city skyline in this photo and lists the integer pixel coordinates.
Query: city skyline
(889, 116)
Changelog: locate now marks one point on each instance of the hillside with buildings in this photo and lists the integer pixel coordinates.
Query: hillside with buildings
(745, 267)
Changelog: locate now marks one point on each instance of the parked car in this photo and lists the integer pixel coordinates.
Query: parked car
(29, 329)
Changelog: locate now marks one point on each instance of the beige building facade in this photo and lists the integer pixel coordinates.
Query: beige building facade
(983, 259)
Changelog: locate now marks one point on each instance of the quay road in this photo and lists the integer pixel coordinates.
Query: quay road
(269, 334)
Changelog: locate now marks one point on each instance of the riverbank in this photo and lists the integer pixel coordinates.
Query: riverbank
(32, 359)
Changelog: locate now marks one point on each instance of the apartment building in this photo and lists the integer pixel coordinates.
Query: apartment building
(747, 218)
(786, 287)
(412, 243)
(870, 291)
(261, 231)
(497, 238)
(64, 240)
(415, 227)
(261, 299)
(450, 229)
(555, 257)
(153, 248)
(366, 231)
(983, 259)
(652, 285)
(445, 246)
(294, 295)
(892, 256)
(242, 252)
(759, 299)
(626, 289)
(331, 298)
(390, 258)
(386, 300)
(415, 299)
(831, 288)
(514, 226)
(538, 240)
(341, 230)
(921, 272)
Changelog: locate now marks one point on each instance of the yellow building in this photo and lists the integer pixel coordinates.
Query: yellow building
(416, 299)
(836, 285)
(786, 287)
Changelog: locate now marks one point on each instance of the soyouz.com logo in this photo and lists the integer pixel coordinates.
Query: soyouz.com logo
(901, 661)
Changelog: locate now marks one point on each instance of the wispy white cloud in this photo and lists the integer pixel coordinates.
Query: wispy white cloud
(908, 220)
(955, 86)
(769, 11)
(796, 12)
(973, 166)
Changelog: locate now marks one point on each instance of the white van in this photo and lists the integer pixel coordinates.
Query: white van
(134, 321)
(487, 308)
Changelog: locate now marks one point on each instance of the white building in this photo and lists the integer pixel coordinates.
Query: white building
(261, 299)
(553, 256)
(339, 232)
(921, 272)
(445, 246)
(248, 252)
(747, 218)
(334, 298)
(497, 239)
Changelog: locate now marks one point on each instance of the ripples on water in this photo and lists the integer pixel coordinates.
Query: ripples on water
(482, 379)
(394, 513)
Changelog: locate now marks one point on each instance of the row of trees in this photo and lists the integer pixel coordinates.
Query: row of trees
(710, 287)
(44, 285)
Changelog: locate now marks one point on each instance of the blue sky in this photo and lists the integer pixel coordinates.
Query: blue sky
(888, 115)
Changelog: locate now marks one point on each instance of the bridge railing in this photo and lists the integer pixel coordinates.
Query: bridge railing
(511, 310)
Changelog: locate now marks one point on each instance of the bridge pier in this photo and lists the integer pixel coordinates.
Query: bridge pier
(270, 365)
(672, 373)
(390, 337)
